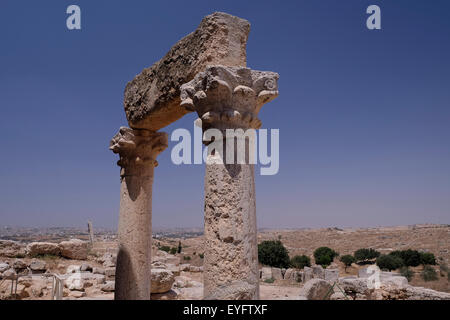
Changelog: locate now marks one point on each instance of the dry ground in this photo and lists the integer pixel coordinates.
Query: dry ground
(431, 238)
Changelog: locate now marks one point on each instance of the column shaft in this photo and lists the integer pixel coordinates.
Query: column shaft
(133, 276)
(138, 150)
(229, 98)
(231, 256)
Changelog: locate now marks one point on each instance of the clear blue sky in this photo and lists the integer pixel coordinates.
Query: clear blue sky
(363, 115)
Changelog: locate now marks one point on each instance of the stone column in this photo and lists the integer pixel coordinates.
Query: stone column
(230, 98)
(138, 150)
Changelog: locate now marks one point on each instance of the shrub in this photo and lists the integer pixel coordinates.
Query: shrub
(165, 248)
(273, 253)
(47, 256)
(324, 256)
(186, 258)
(429, 274)
(364, 254)
(411, 258)
(347, 260)
(300, 262)
(389, 262)
(201, 255)
(406, 272)
(427, 258)
(443, 268)
(270, 280)
(173, 250)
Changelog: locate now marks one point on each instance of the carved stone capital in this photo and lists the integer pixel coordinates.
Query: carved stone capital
(138, 148)
(229, 97)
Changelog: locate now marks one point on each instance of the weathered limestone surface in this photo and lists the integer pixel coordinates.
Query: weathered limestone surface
(276, 274)
(11, 249)
(266, 273)
(291, 274)
(162, 280)
(152, 98)
(74, 249)
(331, 274)
(138, 150)
(42, 248)
(236, 290)
(315, 289)
(230, 98)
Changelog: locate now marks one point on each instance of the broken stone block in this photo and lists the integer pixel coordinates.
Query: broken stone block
(266, 273)
(315, 289)
(74, 249)
(108, 286)
(4, 266)
(307, 274)
(152, 98)
(276, 274)
(331, 275)
(318, 272)
(73, 269)
(162, 280)
(42, 248)
(38, 266)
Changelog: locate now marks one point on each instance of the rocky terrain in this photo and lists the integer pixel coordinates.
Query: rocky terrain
(87, 271)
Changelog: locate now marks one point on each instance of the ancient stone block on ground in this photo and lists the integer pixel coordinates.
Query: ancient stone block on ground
(266, 273)
(108, 286)
(42, 248)
(315, 289)
(162, 280)
(276, 274)
(331, 275)
(74, 249)
(11, 249)
(38, 266)
(307, 274)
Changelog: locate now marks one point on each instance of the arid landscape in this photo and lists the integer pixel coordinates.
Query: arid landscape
(35, 256)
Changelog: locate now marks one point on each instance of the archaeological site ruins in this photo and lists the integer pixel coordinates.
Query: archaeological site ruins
(205, 72)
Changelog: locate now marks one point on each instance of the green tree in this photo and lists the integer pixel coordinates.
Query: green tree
(427, 258)
(179, 247)
(365, 255)
(273, 253)
(389, 262)
(347, 260)
(173, 250)
(165, 248)
(411, 258)
(300, 262)
(324, 256)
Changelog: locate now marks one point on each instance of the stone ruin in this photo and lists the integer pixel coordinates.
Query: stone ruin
(205, 72)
